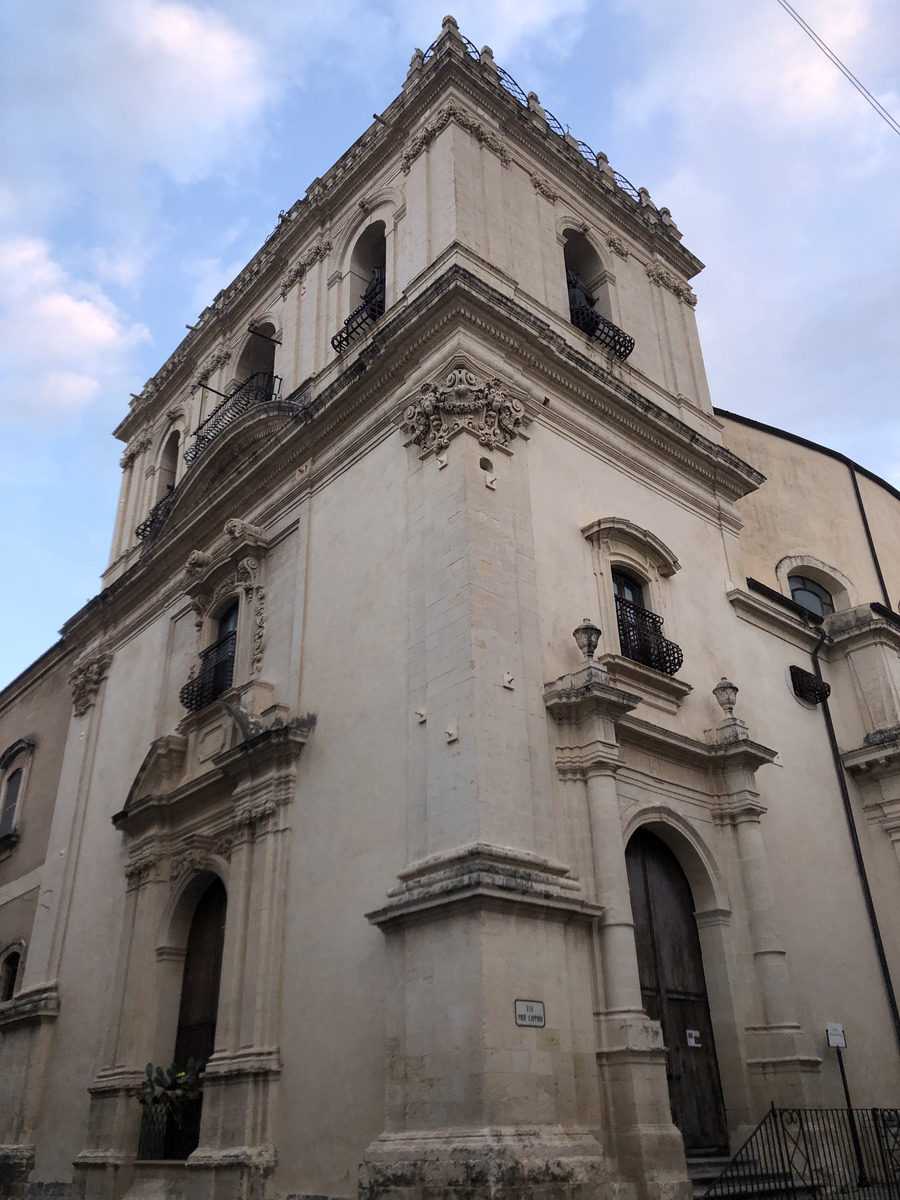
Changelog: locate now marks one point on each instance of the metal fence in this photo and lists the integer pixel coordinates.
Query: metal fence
(816, 1152)
(262, 387)
(641, 638)
(215, 675)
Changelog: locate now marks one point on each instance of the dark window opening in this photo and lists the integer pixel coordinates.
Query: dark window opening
(811, 595)
(216, 673)
(10, 802)
(9, 971)
(168, 464)
(366, 280)
(640, 631)
(258, 354)
(589, 306)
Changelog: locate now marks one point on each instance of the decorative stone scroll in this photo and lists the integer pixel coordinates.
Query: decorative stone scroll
(542, 186)
(460, 404)
(658, 274)
(133, 451)
(617, 245)
(316, 252)
(218, 358)
(85, 679)
(465, 120)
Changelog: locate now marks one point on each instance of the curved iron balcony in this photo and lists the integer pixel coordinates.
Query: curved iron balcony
(590, 322)
(641, 638)
(150, 527)
(259, 388)
(367, 314)
(215, 675)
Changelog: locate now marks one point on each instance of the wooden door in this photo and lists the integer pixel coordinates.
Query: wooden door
(674, 990)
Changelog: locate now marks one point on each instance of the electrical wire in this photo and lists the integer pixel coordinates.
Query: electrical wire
(845, 71)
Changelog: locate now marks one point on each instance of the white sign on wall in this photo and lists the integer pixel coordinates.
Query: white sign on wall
(693, 1037)
(530, 1012)
(835, 1035)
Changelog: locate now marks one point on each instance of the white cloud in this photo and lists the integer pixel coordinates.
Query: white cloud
(62, 341)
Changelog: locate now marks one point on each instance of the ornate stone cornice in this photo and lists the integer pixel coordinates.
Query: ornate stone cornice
(133, 450)
(461, 404)
(465, 120)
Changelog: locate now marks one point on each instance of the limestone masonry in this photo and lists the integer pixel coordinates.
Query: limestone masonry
(320, 795)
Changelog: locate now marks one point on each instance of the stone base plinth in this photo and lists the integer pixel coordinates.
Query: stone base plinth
(489, 1164)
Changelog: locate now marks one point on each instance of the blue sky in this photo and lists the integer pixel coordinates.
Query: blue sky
(147, 147)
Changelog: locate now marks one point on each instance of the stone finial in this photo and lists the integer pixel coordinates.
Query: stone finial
(535, 106)
(449, 23)
(587, 635)
(726, 693)
(418, 60)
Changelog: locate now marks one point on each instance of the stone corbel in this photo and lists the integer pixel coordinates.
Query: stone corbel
(86, 677)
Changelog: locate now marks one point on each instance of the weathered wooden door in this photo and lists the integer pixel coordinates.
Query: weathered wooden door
(674, 990)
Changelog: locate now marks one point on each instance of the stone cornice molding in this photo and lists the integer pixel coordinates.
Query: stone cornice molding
(480, 876)
(587, 693)
(855, 628)
(31, 1005)
(768, 616)
(878, 757)
(664, 692)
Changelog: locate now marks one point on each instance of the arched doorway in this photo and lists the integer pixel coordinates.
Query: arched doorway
(673, 988)
(196, 1033)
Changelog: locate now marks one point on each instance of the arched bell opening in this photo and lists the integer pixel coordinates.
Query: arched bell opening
(586, 280)
(168, 466)
(258, 354)
(674, 990)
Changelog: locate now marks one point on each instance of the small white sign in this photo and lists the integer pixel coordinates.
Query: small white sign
(693, 1037)
(835, 1034)
(530, 1012)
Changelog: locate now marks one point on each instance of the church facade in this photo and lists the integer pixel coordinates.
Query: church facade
(321, 795)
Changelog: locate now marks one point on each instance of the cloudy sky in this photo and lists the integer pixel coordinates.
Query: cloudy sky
(147, 147)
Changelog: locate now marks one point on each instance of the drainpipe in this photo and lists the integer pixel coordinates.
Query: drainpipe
(854, 836)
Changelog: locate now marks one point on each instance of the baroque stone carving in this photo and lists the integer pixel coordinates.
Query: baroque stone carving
(460, 404)
(218, 358)
(246, 574)
(236, 529)
(316, 252)
(542, 186)
(465, 120)
(85, 679)
(138, 869)
(658, 274)
(132, 452)
(259, 629)
(617, 245)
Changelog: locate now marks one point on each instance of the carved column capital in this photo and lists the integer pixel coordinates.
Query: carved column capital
(85, 679)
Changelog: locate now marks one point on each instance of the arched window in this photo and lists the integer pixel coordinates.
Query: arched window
(366, 282)
(12, 786)
(589, 304)
(258, 355)
(168, 465)
(216, 673)
(9, 973)
(640, 631)
(811, 595)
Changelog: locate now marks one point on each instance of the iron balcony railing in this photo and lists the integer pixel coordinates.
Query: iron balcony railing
(641, 638)
(816, 1152)
(367, 314)
(596, 326)
(215, 675)
(170, 1133)
(149, 528)
(262, 387)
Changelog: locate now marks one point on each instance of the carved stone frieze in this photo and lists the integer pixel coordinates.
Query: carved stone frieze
(219, 357)
(465, 120)
(617, 245)
(658, 274)
(321, 249)
(259, 630)
(542, 186)
(460, 404)
(139, 869)
(85, 679)
(132, 452)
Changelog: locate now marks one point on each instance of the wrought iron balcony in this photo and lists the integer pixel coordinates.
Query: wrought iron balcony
(215, 675)
(260, 388)
(149, 528)
(641, 638)
(367, 314)
(596, 326)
